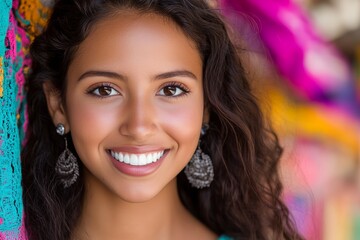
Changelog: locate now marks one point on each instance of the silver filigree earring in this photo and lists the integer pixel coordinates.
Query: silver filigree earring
(200, 171)
(66, 166)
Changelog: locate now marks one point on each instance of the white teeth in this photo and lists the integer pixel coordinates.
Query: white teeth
(142, 159)
(134, 160)
(149, 158)
(137, 159)
(126, 158)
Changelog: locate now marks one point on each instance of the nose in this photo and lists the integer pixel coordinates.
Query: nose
(138, 120)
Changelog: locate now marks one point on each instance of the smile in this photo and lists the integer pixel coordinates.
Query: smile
(137, 159)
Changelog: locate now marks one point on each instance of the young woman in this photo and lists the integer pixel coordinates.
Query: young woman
(143, 126)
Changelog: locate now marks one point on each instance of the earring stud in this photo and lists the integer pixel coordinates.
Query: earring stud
(60, 129)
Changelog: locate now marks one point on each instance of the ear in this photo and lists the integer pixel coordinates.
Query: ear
(55, 105)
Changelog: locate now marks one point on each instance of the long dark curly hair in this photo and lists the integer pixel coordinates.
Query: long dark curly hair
(244, 200)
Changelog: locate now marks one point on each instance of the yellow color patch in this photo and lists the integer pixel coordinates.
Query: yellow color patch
(36, 13)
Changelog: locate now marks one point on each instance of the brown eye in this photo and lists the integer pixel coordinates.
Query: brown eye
(169, 91)
(104, 91)
(172, 91)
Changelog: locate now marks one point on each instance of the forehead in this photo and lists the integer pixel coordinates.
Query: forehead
(136, 37)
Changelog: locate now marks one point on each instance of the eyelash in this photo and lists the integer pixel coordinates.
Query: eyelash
(181, 86)
(92, 89)
(185, 90)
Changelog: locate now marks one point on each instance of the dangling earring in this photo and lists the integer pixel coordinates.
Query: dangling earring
(66, 166)
(200, 171)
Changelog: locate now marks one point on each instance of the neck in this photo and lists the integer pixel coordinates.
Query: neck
(106, 216)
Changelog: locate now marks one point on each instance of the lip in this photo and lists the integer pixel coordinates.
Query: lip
(137, 171)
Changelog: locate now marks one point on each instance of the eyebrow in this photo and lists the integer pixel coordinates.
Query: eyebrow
(171, 74)
(179, 73)
(102, 74)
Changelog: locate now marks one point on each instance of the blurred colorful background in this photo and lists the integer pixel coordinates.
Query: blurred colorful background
(303, 59)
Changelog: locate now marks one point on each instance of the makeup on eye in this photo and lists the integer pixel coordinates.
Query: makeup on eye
(103, 90)
(173, 89)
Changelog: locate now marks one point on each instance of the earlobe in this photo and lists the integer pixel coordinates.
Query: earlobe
(55, 104)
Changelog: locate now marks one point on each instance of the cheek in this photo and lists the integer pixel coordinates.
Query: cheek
(183, 122)
(90, 123)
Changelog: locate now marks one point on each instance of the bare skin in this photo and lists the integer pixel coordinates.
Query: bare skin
(162, 218)
(150, 99)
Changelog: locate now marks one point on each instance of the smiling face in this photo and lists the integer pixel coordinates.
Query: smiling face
(134, 104)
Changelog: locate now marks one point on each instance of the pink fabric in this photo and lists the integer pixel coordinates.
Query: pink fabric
(14, 235)
(311, 66)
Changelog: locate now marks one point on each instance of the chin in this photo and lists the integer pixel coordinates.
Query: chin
(138, 195)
